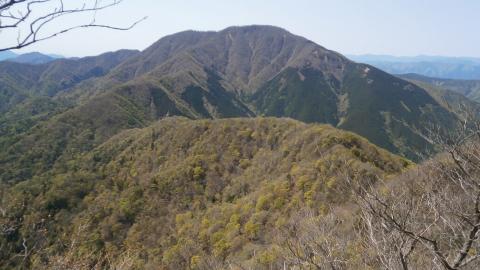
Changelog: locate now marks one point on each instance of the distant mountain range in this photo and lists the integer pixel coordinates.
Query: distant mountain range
(432, 66)
(365, 58)
(28, 58)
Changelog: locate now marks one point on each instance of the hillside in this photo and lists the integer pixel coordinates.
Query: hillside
(218, 190)
(458, 68)
(19, 81)
(468, 88)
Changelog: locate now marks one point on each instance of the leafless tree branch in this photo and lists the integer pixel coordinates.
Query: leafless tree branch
(32, 19)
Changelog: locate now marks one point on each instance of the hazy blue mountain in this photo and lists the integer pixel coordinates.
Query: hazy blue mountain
(57, 56)
(34, 58)
(411, 59)
(7, 55)
(432, 66)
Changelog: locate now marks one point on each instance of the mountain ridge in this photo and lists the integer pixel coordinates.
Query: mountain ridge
(190, 74)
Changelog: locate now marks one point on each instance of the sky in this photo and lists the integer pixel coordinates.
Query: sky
(393, 27)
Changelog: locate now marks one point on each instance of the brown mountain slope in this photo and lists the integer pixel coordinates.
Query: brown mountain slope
(246, 57)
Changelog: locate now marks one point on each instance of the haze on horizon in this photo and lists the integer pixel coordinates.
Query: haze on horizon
(399, 28)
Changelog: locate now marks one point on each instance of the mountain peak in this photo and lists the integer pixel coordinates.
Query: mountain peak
(256, 28)
(246, 56)
(33, 58)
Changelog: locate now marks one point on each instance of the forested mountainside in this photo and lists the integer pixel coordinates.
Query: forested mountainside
(181, 191)
(242, 193)
(19, 81)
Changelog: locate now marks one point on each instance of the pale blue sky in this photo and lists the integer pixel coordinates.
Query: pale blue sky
(395, 27)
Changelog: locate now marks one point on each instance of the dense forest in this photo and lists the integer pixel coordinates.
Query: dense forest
(244, 193)
(183, 192)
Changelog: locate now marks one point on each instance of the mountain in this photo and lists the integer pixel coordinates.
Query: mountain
(7, 55)
(468, 88)
(33, 58)
(56, 56)
(27, 92)
(237, 72)
(275, 73)
(19, 81)
(432, 66)
(155, 197)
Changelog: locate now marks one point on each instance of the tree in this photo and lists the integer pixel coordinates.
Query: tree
(430, 217)
(33, 21)
(312, 241)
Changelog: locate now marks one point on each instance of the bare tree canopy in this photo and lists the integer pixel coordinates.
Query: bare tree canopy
(32, 21)
(431, 216)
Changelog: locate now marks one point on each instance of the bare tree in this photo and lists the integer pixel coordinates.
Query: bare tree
(32, 21)
(429, 217)
(313, 241)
